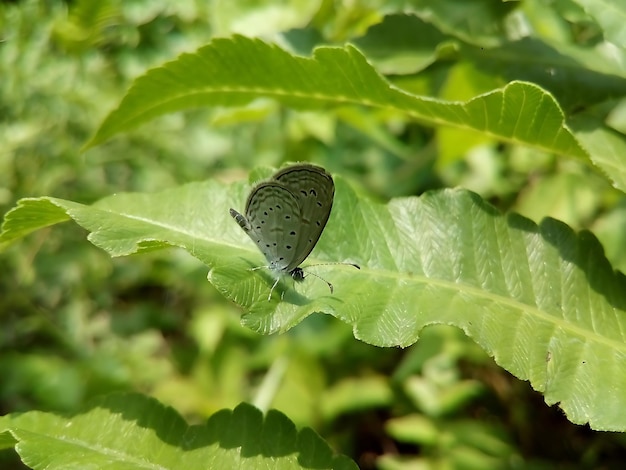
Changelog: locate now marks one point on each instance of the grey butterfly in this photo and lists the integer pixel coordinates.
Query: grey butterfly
(286, 215)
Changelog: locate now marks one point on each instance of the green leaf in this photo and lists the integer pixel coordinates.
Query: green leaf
(607, 147)
(233, 72)
(577, 77)
(7, 441)
(481, 22)
(32, 216)
(541, 299)
(132, 431)
(611, 16)
(401, 44)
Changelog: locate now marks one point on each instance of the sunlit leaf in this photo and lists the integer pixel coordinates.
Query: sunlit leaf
(233, 72)
(134, 431)
(541, 299)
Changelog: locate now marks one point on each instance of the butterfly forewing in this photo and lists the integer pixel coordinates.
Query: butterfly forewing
(314, 190)
(273, 214)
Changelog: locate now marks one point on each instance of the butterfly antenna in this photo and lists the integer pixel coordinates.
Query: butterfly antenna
(330, 286)
(331, 264)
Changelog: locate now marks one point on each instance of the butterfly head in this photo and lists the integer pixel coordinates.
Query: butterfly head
(297, 274)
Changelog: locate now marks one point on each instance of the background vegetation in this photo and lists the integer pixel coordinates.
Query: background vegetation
(77, 324)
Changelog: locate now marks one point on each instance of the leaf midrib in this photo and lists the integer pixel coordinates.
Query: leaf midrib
(441, 283)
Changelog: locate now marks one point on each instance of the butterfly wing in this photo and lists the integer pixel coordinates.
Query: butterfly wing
(272, 222)
(314, 190)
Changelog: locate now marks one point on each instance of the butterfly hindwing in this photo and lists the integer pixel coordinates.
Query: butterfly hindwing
(314, 190)
(273, 214)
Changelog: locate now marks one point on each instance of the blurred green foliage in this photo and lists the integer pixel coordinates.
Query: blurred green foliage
(76, 324)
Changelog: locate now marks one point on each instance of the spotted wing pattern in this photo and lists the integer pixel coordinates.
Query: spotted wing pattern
(286, 215)
(271, 221)
(315, 190)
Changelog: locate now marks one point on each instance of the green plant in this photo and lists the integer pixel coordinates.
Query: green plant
(541, 299)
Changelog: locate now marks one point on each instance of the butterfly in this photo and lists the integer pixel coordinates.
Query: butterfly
(286, 215)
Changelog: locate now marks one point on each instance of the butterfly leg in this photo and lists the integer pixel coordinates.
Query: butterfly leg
(269, 297)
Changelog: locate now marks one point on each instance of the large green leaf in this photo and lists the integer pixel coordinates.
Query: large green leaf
(128, 431)
(542, 300)
(233, 72)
